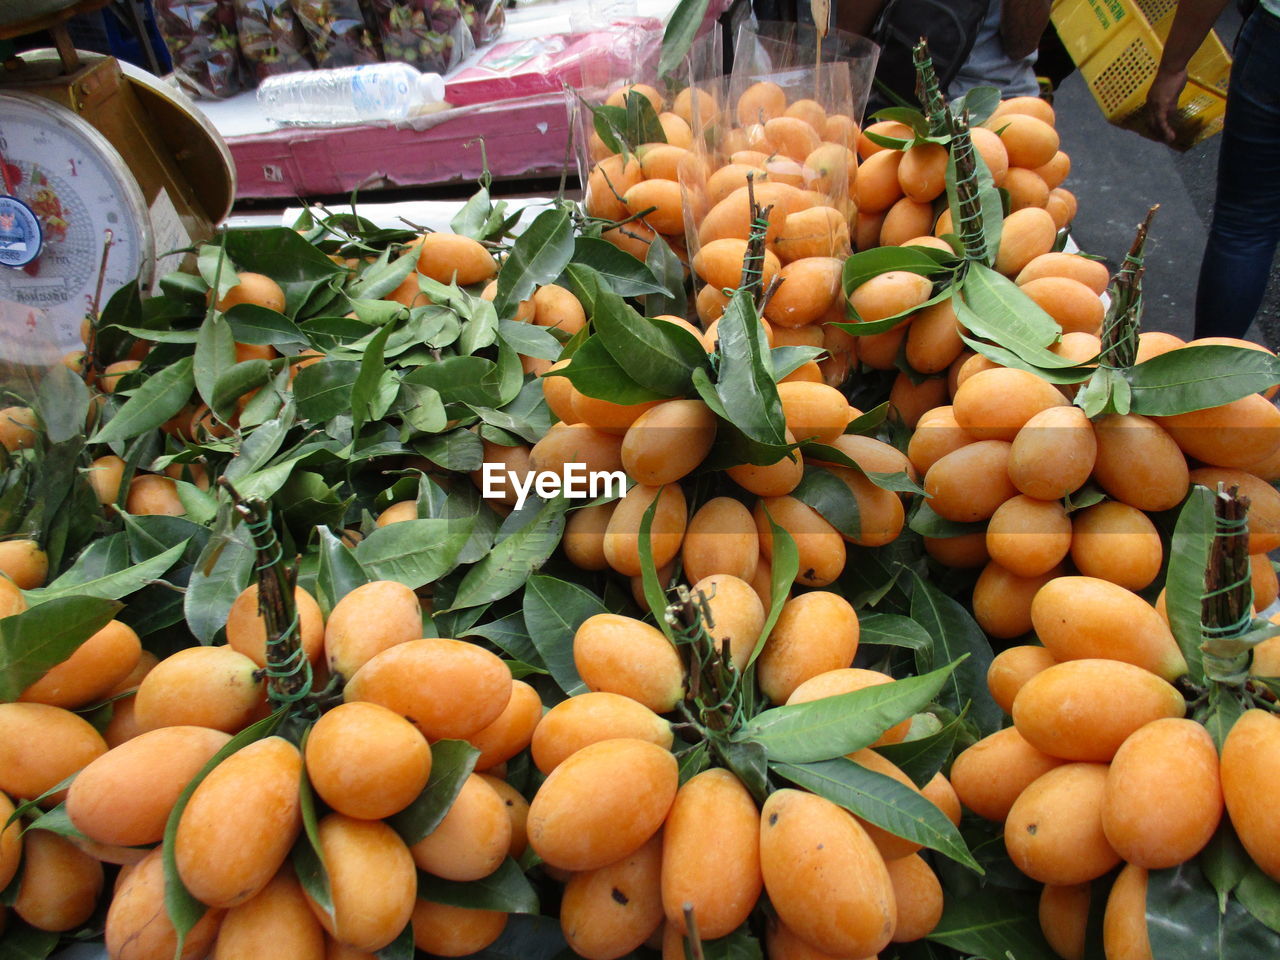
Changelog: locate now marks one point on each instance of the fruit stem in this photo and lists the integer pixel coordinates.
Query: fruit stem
(1226, 610)
(753, 260)
(695, 951)
(968, 197)
(288, 670)
(713, 679)
(927, 90)
(1124, 317)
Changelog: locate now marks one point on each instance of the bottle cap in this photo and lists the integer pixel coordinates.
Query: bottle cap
(431, 86)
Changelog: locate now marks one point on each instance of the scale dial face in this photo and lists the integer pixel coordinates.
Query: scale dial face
(86, 201)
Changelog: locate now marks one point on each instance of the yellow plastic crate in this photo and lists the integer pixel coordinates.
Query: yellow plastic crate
(1117, 45)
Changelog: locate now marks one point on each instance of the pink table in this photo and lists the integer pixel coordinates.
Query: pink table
(511, 94)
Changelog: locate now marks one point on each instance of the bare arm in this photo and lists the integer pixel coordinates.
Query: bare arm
(1022, 23)
(857, 16)
(1191, 24)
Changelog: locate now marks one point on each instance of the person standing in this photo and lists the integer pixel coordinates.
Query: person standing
(972, 42)
(1246, 212)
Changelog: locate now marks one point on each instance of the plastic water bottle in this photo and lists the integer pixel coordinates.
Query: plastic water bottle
(365, 94)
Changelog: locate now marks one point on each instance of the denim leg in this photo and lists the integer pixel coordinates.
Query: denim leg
(1246, 211)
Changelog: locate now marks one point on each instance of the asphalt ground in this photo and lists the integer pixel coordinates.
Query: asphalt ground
(1116, 175)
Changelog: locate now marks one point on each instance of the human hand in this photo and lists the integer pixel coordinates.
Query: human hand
(1162, 101)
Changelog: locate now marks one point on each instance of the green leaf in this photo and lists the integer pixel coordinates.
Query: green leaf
(869, 422)
(216, 269)
(307, 854)
(669, 270)
(1183, 919)
(692, 761)
(927, 523)
(993, 922)
(251, 323)
(908, 116)
(472, 220)
(1189, 553)
(522, 550)
(339, 571)
(922, 757)
(785, 360)
(594, 372)
(215, 354)
(836, 726)
(459, 450)
(1060, 372)
(184, 910)
(161, 396)
(221, 573)
(682, 28)
(472, 380)
(61, 403)
(749, 763)
(831, 498)
(298, 266)
(401, 948)
(451, 763)
(1260, 895)
(883, 801)
(553, 611)
(111, 586)
(527, 937)
(21, 942)
(861, 267)
(620, 271)
(782, 574)
(530, 340)
(655, 596)
(1223, 710)
(657, 355)
(1224, 861)
(39, 638)
(323, 390)
(506, 889)
(893, 630)
(537, 257)
(414, 552)
(643, 125)
(955, 633)
(365, 390)
(1198, 377)
(56, 821)
(381, 278)
(745, 384)
(979, 103)
(995, 308)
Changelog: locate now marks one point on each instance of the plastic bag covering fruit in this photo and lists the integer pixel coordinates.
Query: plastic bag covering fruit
(272, 40)
(486, 19)
(338, 32)
(201, 37)
(429, 34)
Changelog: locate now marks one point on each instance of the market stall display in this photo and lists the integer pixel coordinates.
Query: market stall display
(472, 591)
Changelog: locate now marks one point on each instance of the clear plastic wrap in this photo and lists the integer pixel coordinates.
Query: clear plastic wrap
(202, 41)
(486, 19)
(633, 129)
(432, 35)
(272, 40)
(338, 32)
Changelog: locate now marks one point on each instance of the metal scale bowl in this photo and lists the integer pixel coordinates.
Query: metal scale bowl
(104, 171)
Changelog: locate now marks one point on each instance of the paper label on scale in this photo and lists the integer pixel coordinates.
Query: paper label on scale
(170, 234)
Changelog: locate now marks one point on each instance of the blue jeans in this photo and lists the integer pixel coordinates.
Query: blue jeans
(1246, 213)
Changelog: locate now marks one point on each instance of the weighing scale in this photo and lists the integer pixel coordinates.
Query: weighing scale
(105, 172)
